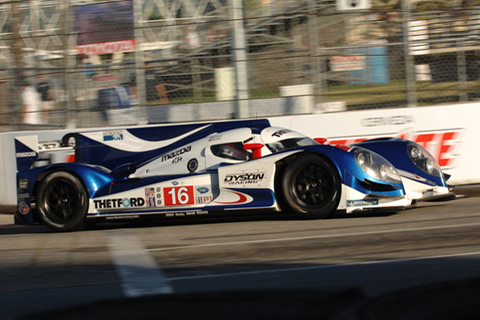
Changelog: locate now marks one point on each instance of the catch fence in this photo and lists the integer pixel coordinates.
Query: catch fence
(150, 61)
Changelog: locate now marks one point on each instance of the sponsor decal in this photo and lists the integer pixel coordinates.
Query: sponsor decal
(113, 135)
(241, 198)
(127, 216)
(441, 144)
(176, 153)
(215, 137)
(119, 203)
(177, 159)
(178, 196)
(23, 208)
(244, 178)
(26, 154)
(150, 197)
(158, 190)
(186, 213)
(175, 183)
(22, 184)
(280, 133)
(361, 203)
(23, 195)
(387, 121)
(202, 190)
(203, 199)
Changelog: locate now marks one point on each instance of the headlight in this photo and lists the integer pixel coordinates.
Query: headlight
(423, 159)
(376, 166)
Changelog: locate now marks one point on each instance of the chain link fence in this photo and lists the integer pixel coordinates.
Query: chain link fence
(66, 64)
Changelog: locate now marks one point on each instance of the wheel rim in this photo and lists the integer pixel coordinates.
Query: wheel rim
(313, 186)
(62, 200)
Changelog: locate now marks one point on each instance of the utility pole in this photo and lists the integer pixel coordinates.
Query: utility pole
(409, 62)
(68, 61)
(16, 102)
(240, 61)
(17, 40)
(316, 75)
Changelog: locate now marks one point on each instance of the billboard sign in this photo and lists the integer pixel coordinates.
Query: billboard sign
(347, 63)
(106, 27)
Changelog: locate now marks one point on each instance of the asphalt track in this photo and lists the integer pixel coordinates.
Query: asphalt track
(421, 263)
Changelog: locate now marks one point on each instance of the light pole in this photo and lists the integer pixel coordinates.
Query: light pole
(240, 61)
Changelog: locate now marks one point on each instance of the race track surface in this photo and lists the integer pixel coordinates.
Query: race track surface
(421, 263)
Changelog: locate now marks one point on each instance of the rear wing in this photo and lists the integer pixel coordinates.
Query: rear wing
(31, 154)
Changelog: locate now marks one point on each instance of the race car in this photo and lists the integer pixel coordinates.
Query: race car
(221, 167)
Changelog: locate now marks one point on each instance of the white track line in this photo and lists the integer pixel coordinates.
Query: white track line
(323, 236)
(330, 266)
(139, 273)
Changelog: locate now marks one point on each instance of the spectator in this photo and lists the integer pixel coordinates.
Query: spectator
(191, 40)
(154, 86)
(46, 95)
(116, 97)
(31, 110)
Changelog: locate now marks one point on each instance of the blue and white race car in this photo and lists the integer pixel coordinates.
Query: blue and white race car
(201, 168)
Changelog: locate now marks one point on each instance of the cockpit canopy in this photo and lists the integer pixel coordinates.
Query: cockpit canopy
(233, 151)
(236, 144)
(290, 144)
(280, 139)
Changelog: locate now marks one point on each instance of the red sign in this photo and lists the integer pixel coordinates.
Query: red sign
(179, 196)
(347, 63)
(106, 47)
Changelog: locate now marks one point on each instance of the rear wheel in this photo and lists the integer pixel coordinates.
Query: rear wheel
(310, 187)
(62, 202)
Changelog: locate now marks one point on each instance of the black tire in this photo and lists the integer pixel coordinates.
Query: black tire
(62, 202)
(310, 187)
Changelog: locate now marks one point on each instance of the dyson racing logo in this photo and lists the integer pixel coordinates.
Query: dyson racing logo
(244, 178)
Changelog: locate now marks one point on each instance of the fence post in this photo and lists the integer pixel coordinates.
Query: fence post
(409, 62)
(18, 62)
(139, 62)
(67, 61)
(240, 61)
(315, 56)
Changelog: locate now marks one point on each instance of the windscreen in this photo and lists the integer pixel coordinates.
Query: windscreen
(290, 144)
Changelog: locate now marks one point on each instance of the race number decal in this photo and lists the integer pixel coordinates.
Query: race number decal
(178, 196)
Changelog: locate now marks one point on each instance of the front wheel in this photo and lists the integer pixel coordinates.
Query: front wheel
(310, 187)
(62, 202)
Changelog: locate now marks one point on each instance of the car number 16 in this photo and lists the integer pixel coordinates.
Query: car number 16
(179, 196)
